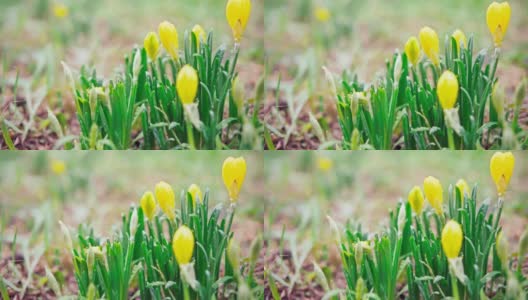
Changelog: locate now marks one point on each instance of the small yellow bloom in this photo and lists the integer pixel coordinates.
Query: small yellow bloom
(463, 187)
(151, 44)
(324, 164)
(58, 167)
(501, 169)
(60, 11)
(460, 39)
(169, 38)
(195, 192)
(498, 18)
(166, 199)
(434, 194)
(447, 90)
(322, 14)
(452, 237)
(237, 14)
(233, 174)
(199, 33)
(187, 84)
(430, 44)
(412, 50)
(148, 205)
(416, 199)
(183, 245)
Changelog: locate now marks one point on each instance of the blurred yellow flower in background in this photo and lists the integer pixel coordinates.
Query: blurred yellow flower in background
(430, 44)
(148, 205)
(58, 167)
(460, 38)
(412, 50)
(199, 33)
(60, 11)
(324, 164)
(416, 199)
(169, 38)
(322, 14)
(196, 193)
(151, 44)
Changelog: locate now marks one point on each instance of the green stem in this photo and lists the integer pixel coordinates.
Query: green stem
(450, 139)
(190, 135)
(454, 284)
(186, 295)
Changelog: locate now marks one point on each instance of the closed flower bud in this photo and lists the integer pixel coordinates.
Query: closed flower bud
(447, 90)
(183, 245)
(58, 167)
(501, 169)
(416, 199)
(148, 205)
(237, 14)
(412, 50)
(434, 193)
(463, 187)
(497, 99)
(430, 44)
(187, 84)
(196, 193)
(460, 39)
(166, 199)
(502, 248)
(233, 174)
(452, 237)
(132, 226)
(498, 18)
(520, 93)
(523, 243)
(238, 93)
(151, 45)
(199, 34)
(169, 38)
(233, 254)
(322, 14)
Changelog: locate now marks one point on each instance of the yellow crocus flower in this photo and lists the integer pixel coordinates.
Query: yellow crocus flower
(187, 84)
(452, 238)
(498, 19)
(463, 187)
(501, 169)
(416, 199)
(460, 38)
(58, 167)
(324, 164)
(196, 193)
(169, 38)
(183, 245)
(430, 44)
(148, 205)
(447, 90)
(412, 50)
(233, 174)
(434, 193)
(237, 14)
(151, 45)
(166, 199)
(199, 33)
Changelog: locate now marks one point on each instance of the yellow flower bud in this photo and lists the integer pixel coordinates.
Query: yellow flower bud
(58, 167)
(502, 247)
(322, 14)
(501, 169)
(460, 39)
(183, 245)
(233, 174)
(430, 44)
(195, 192)
(237, 14)
(447, 90)
(434, 193)
(60, 11)
(324, 164)
(148, 205)
(187, 84)
(498, 18)
(416, 199)
(452, 237)
(463, 187)
(412, 50)
(199, 33)
(169, 38)
(151, 45)
(166, 199)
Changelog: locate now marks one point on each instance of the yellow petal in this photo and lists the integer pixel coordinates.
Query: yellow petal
(430, 44)
(196, 193)
(199, 33)
(237, 14)
(151, 45)
(148, 205)
(501, 169)
(447, 90)
(498, 19)
(187, 84)
(169, 38)
(412, 50)
(460, 38)
(183, 245)
(166, 199)
(233, 174)
(452, 238)
(416, 199)
(434, 193)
